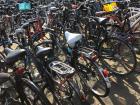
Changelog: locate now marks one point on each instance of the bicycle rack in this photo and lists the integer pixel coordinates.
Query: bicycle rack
(61, 68)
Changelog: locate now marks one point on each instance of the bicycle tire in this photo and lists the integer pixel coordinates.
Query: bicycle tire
(79, 96)
(52, 95)
(136, 26)
(87, 77)
(3, 67)
(18, 94)
(65, 93)
(34, 88)
(112, 54)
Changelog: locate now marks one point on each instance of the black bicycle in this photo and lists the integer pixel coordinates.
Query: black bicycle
(16, 88)
(115, 53)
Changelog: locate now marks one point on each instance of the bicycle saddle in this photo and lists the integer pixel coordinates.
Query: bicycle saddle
(72, 38)
(100, 13)
(44, 7)
(12, 7)
(14, 55)
(101, 20)
(4, 77)
(25, 25)
(41, 51)
(32, 21)
(53, 9)
(19, 30)
(16, 15)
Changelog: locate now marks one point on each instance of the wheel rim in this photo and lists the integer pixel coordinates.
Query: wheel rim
(118, 56)
(93, 78)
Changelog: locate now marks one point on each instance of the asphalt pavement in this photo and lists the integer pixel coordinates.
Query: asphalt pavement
(124, 90)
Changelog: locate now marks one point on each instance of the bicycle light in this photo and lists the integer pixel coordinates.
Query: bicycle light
(20, 70)
(105, 72)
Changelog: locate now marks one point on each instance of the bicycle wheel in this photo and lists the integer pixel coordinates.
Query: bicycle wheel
(135, 26)
(92, 78)
(27, 93)
(79, 97)
(2, 59)
(33, 94)
(64, 92)
(50, 94)
(8, 94)
(117, 56)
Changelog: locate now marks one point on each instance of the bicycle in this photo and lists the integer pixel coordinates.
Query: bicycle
(72, 57)
(17, 82)
(36, 55)
(99, 38)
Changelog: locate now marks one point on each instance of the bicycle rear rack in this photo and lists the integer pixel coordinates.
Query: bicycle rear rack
(88, 52)
(61, 68)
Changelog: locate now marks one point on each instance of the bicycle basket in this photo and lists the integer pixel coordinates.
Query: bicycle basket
(109, 7)
(24, 6)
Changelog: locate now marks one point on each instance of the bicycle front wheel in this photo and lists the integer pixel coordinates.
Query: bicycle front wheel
(117, 55)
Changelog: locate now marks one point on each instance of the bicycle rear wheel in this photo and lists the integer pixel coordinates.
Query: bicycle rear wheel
(117, 55)
(92, 78)
(64, 92)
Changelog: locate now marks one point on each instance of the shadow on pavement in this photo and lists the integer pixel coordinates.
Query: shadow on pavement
(124, 91)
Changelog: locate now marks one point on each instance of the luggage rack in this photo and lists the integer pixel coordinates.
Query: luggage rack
(88, 52)
(61, 68)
